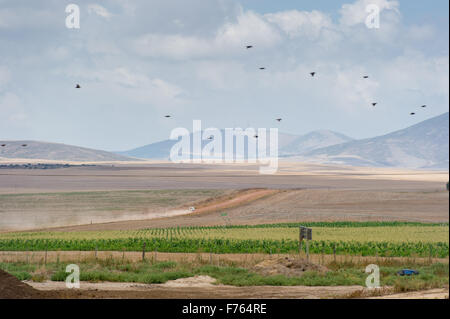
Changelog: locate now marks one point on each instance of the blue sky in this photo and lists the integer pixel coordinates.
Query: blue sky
(140, 60)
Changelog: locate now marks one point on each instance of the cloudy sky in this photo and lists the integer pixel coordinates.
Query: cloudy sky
(140, 60)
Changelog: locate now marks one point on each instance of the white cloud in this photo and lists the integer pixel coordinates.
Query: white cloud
(99, 10)
(300, 23)
(133, 85)
(250, 28)
(172, 46)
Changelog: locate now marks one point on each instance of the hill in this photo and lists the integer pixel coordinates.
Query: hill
(424, 145)
(55, 151)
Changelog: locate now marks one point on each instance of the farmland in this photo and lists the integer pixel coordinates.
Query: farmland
(346, 238)
(122, 226)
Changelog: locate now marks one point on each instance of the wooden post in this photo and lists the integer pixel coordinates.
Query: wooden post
(46, 249)
(156, 254)
(210, 258)
(334, 252)
(300, 240)
(143, 251)
(431, 251)
(307, 250)
(96, 252)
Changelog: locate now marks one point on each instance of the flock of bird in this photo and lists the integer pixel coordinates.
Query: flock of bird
(312, 74)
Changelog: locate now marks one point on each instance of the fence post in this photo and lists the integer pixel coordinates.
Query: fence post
(143, 251)
(156, 254)
(46, 249)
(307, 250)
(431, 251)
(323, 254)
(334, 252)
(96, 252)
(300, 240)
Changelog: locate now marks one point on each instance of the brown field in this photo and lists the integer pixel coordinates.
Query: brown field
(159, 194)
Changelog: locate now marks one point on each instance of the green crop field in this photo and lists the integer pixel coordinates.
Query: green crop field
(365, 239)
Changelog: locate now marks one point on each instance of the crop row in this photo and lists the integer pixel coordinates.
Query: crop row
(317, 224)
(189, 245)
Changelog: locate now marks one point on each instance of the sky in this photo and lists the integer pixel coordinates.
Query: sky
(138, 61)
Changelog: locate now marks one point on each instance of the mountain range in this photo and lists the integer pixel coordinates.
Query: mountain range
(424, 145)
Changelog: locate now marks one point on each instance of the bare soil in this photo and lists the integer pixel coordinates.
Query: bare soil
(291, 267)
(202, 176)
(12, 288)
(278, 206)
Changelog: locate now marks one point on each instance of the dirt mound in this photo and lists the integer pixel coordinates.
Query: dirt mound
(13, 288)
(197, 281)
(287, 266)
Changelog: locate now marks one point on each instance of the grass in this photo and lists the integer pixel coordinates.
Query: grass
(231, 273)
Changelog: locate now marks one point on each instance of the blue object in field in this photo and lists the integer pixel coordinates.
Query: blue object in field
(407, 272)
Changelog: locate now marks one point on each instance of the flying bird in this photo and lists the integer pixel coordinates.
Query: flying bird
(24, 145)
(374, 104)
(249, 46)
(256, 136)
(262, 68)
(365, 76)
(279, 120)
(313, 73)
(423, 106)
(413, 113)
(78, 86)
(167, 116)
(3, 145)
(211, 137)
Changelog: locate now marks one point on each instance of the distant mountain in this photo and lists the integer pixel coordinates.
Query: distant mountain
(424, 145)
(161, 150)
(55, 151)
(288, 144)
(312, 141)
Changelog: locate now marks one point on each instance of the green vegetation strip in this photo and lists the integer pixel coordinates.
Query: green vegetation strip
(346, 238)
(339, 274)
(222, 246)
